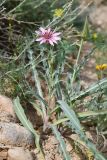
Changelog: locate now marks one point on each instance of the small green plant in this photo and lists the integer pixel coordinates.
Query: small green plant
(45, 67)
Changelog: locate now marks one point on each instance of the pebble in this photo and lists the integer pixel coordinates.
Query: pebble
(19, 153)
(7, 113)
(15, 135)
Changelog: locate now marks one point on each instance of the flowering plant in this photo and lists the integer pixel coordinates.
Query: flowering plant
(48, 36)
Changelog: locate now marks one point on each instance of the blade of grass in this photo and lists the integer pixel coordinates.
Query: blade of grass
(100, 85)
(38, 86)
(79, 52)
(26, 123)
(36, 107)
(17, 7)
(75, 125)
(82, 115)
(61, 142)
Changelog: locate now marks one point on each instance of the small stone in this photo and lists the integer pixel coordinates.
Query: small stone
(69, 147)
(7, 113)
(19, 153)
(6, 117)
(3, 155)
(15, 135)
(98, 17)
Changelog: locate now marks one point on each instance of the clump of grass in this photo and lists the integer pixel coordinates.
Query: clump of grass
(51, 74)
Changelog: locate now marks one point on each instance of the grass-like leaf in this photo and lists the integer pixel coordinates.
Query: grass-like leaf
(82, 115)
(100, 85)
(61, 142)
(75, 124)
(26, 123)
(37, 108)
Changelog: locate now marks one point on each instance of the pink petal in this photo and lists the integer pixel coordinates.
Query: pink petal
(43, 41)
(39, 39)
(56, 38)
(48, 30)
(51, 42)
(38, 32)
(54, 41)
(42, 30)
(56, 33)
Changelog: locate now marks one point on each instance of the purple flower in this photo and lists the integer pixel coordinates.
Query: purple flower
(48, 36)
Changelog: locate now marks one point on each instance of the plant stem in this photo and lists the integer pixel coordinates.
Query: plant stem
(38, 86)
(75, 67)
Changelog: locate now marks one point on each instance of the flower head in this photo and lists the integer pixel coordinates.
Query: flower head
(95, 36)
(101, 67)
(58, 12)
(48, 36)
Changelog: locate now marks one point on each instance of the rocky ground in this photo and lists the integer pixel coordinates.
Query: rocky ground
(97, 12)
(16, 142)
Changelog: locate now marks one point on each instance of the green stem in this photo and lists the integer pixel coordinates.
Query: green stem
(75, 67)
(20, 4)
(38, 86)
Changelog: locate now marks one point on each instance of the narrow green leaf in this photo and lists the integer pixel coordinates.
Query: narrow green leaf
(22, 117)
(71, 115)
(92, 113)
(26, 123)
(36, 107)
(75, 124)
(61, 142)
(100, 85)
(82, 115)
(85, 32)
